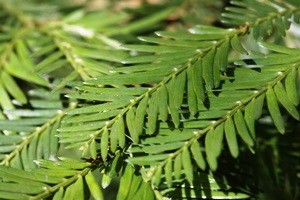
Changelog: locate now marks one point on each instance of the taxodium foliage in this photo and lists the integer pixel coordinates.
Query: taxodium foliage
(168, 109)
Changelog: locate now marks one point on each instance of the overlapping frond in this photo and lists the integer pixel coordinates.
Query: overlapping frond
(16, 64)
(265, 18)
(82, 48)
(74, 44)
(160, 81)
(224, 114)
(167, 105)
(62, 179)
(31, 133)
(230, 111)
(76, 53)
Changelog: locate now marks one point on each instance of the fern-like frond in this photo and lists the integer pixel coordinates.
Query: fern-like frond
(16, 63)
(73, 42)
(76, 54)
(78, 44)
(65, 178)
(226, 113)
(76, 50)
(31, 134)
(265, 18)
(162, 83)
(229, 112)
(15, 51)
(172, 114)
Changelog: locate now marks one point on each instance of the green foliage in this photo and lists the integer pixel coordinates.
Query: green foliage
(177, 114)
